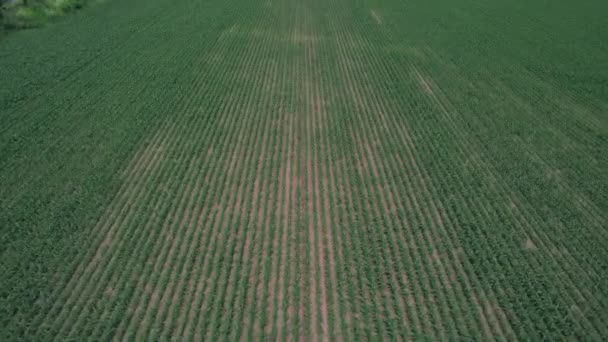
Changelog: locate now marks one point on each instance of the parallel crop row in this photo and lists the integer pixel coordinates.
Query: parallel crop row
(305, 170)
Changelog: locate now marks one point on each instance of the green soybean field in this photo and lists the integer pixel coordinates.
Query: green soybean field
(209, 170)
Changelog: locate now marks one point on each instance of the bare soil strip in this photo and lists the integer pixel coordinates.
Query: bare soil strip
(291, 281)
(320, 246)
(262, 196)
(330, 245)
(282, 214)
(376, 17)
(284, 229)
(164, 269)
(215, 236)
(222, 282)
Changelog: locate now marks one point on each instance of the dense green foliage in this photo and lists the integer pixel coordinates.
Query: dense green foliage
(17, 14)
(286, 168)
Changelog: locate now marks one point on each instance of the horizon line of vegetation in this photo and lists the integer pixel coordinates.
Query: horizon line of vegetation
(24, 14)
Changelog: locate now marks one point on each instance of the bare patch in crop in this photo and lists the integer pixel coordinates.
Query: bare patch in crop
(424, 83)
(377, 18)
(529, 245)
(299, 37)
(229, 32)
(110, 292)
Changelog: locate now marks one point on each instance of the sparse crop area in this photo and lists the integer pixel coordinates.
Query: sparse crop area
(306, 169)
